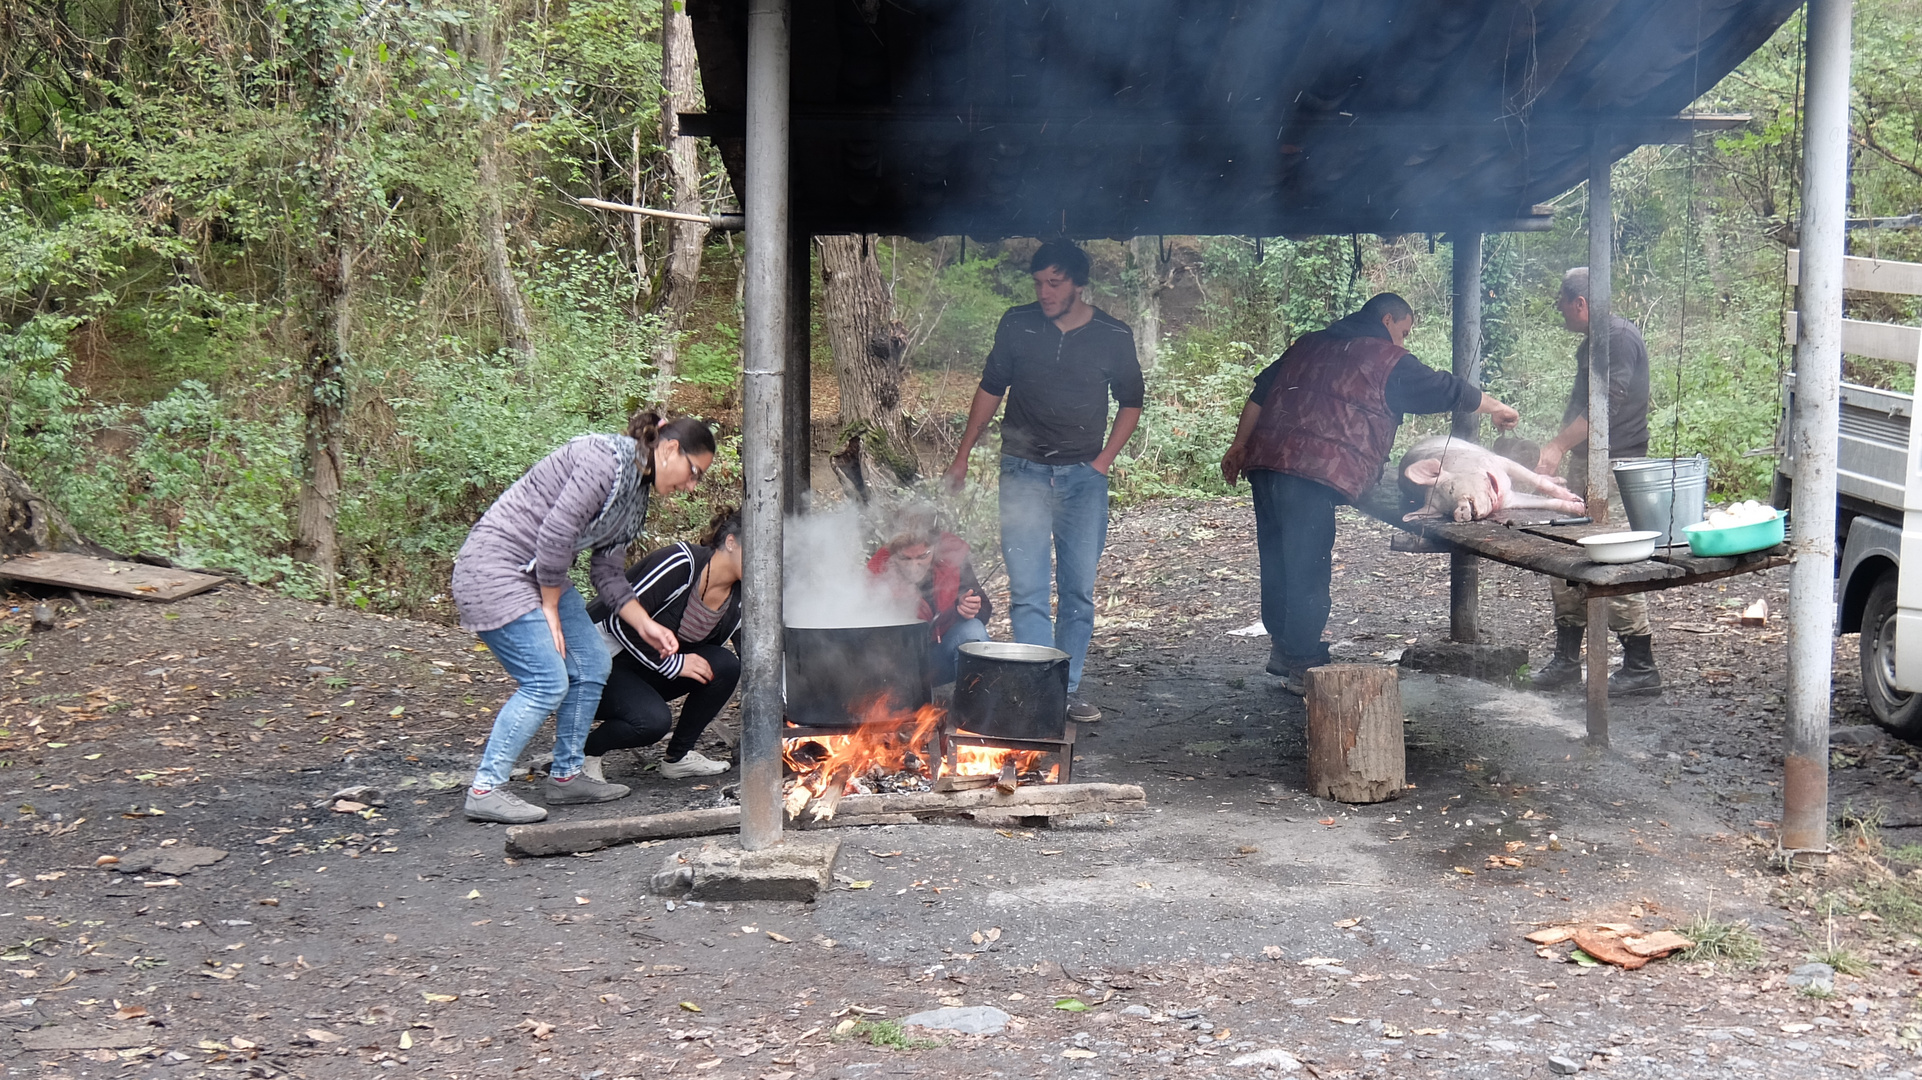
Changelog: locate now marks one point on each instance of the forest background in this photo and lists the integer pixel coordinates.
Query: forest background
(295, 288)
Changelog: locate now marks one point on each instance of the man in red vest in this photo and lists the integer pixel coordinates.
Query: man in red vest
(1315, 433)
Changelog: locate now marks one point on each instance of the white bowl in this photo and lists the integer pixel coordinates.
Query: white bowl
(1621, 547)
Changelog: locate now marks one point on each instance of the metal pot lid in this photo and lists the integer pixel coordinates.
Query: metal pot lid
(1009, 650)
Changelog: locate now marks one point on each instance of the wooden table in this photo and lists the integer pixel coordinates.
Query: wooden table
(1533, 545)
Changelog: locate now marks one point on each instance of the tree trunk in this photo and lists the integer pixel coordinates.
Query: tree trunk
(28, 522)
(1356, 752)
(318, 507)
(497, 268)
(680, 92)
(868, 344)
(1145, 253)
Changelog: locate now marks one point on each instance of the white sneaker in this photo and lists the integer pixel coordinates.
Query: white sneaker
(694, 764)
(591, 768)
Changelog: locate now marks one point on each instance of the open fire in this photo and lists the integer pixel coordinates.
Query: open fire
(896, 751)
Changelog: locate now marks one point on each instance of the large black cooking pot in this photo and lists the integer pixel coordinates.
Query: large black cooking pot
(1012, 691)
(834, 675)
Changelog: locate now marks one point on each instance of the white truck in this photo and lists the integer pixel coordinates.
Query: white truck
(1879, 496)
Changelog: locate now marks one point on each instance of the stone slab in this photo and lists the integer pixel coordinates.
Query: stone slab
(798, 868)
(1499, 664)
(964, 1020)
(172, 861)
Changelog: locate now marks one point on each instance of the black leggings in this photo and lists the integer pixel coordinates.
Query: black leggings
(634, 710)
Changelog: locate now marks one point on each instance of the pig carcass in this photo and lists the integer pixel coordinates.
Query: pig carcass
(1459, 480)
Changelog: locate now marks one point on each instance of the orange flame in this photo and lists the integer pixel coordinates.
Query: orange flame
(888, 742)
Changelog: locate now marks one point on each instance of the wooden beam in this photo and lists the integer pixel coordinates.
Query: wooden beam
(1868, 275)
(987, 805)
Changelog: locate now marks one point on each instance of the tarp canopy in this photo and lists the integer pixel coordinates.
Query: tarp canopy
(994, 118)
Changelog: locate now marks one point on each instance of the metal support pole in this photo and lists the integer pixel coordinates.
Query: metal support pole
(765, 344)
(1818, 379)
(798, 436)
(1464, 569)
(1601, 251)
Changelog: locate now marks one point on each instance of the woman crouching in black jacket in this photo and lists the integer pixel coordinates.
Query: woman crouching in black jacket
(695, 591)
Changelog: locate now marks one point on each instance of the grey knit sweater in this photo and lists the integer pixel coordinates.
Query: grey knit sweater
(538, 521)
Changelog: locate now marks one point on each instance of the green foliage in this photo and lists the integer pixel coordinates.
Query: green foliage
(888, 1035)
(714, 363)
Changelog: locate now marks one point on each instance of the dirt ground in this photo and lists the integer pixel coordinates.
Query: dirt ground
(1236, 916)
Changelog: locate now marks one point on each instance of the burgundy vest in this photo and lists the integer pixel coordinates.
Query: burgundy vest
(1326, 418)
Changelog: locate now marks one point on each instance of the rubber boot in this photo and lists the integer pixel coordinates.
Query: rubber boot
(1565, 668)
(1637, 675)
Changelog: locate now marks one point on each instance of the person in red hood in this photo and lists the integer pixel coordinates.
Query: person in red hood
(938, 569)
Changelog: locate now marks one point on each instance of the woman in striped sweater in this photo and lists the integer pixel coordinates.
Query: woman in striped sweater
(695, 591)
(511, 588)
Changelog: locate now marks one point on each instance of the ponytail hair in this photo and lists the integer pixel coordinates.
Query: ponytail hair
(649, 429)
(726, 522)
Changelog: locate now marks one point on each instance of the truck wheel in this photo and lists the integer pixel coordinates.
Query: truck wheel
(1897, 710)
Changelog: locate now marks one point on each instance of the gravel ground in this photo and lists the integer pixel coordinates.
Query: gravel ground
(1237, 916)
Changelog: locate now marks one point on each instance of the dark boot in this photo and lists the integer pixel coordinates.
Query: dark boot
(1637, 675)
(1565, 668)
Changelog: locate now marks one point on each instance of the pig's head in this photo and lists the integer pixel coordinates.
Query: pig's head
(1468, 495)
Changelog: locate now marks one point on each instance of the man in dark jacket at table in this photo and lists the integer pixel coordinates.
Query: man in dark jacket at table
(1627, 438)
(1315, 433)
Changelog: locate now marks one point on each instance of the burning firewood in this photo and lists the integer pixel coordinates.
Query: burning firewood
(1007, 782)
(796, 798)
(830, 797)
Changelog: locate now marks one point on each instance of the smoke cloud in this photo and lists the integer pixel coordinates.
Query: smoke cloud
(828, 584)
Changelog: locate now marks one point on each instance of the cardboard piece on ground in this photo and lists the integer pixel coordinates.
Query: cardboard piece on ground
(1608, 948)
(1553, 935)
(1660, 943)
(135, 581)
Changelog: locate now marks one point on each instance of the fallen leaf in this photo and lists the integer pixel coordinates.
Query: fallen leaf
(860, 884)
(406, 1040)
(1797, 1029)
(440, 998)
(845, 1026)
(1429, 1031)
(690, 1006)
(540, 1029)
(475, 895)
(1272, 952)
(707, 1064)
(349, 806)
(1071, 1005)
(1515, 845)
(1464, 871)
(582, 900)
(129, 1012)
(1077, 1053)
(321, 1035)
(106, 860)
(779, 939)
(884, 854)
(1553, 935)
(1583, 958)
(1343, 924)
(239, 1043)
(1326, 821)
(1349, 1020)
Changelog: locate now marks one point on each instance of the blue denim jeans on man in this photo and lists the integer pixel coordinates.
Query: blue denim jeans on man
(1060, 510)
(947, 651)
(1295, 535)
(569, 688)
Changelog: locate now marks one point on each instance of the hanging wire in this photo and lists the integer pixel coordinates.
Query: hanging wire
(1689, 248)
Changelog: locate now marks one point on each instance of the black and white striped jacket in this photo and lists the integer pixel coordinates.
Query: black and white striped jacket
(663, 582)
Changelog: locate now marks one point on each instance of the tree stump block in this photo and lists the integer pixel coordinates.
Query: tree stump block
(1356, 753)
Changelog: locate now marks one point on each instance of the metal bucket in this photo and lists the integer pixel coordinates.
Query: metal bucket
(834, 675)
(1664, 495)
(1011, 691)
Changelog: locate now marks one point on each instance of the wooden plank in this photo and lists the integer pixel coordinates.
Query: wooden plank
(987, 804)
(136, 581)
(1878, 341)
(1869, 275)
(1551, 550)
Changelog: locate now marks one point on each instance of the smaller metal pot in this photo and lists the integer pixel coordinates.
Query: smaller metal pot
(1011, 691)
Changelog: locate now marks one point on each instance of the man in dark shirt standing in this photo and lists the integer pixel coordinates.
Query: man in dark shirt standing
(1057, 361)
(1627, 437)
(1315, 433)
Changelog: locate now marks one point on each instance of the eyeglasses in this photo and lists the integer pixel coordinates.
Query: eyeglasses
(695, 470)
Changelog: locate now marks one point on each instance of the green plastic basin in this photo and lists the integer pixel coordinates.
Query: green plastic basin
(1705, 540)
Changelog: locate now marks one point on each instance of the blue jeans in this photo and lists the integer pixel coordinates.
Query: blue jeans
(947, 651)
(1295, 534)
(1063, 507)
(569, 688)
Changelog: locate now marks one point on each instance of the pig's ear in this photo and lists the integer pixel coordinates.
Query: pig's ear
(1424, 472)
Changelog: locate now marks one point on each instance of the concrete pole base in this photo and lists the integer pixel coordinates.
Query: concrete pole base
(799, 868)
